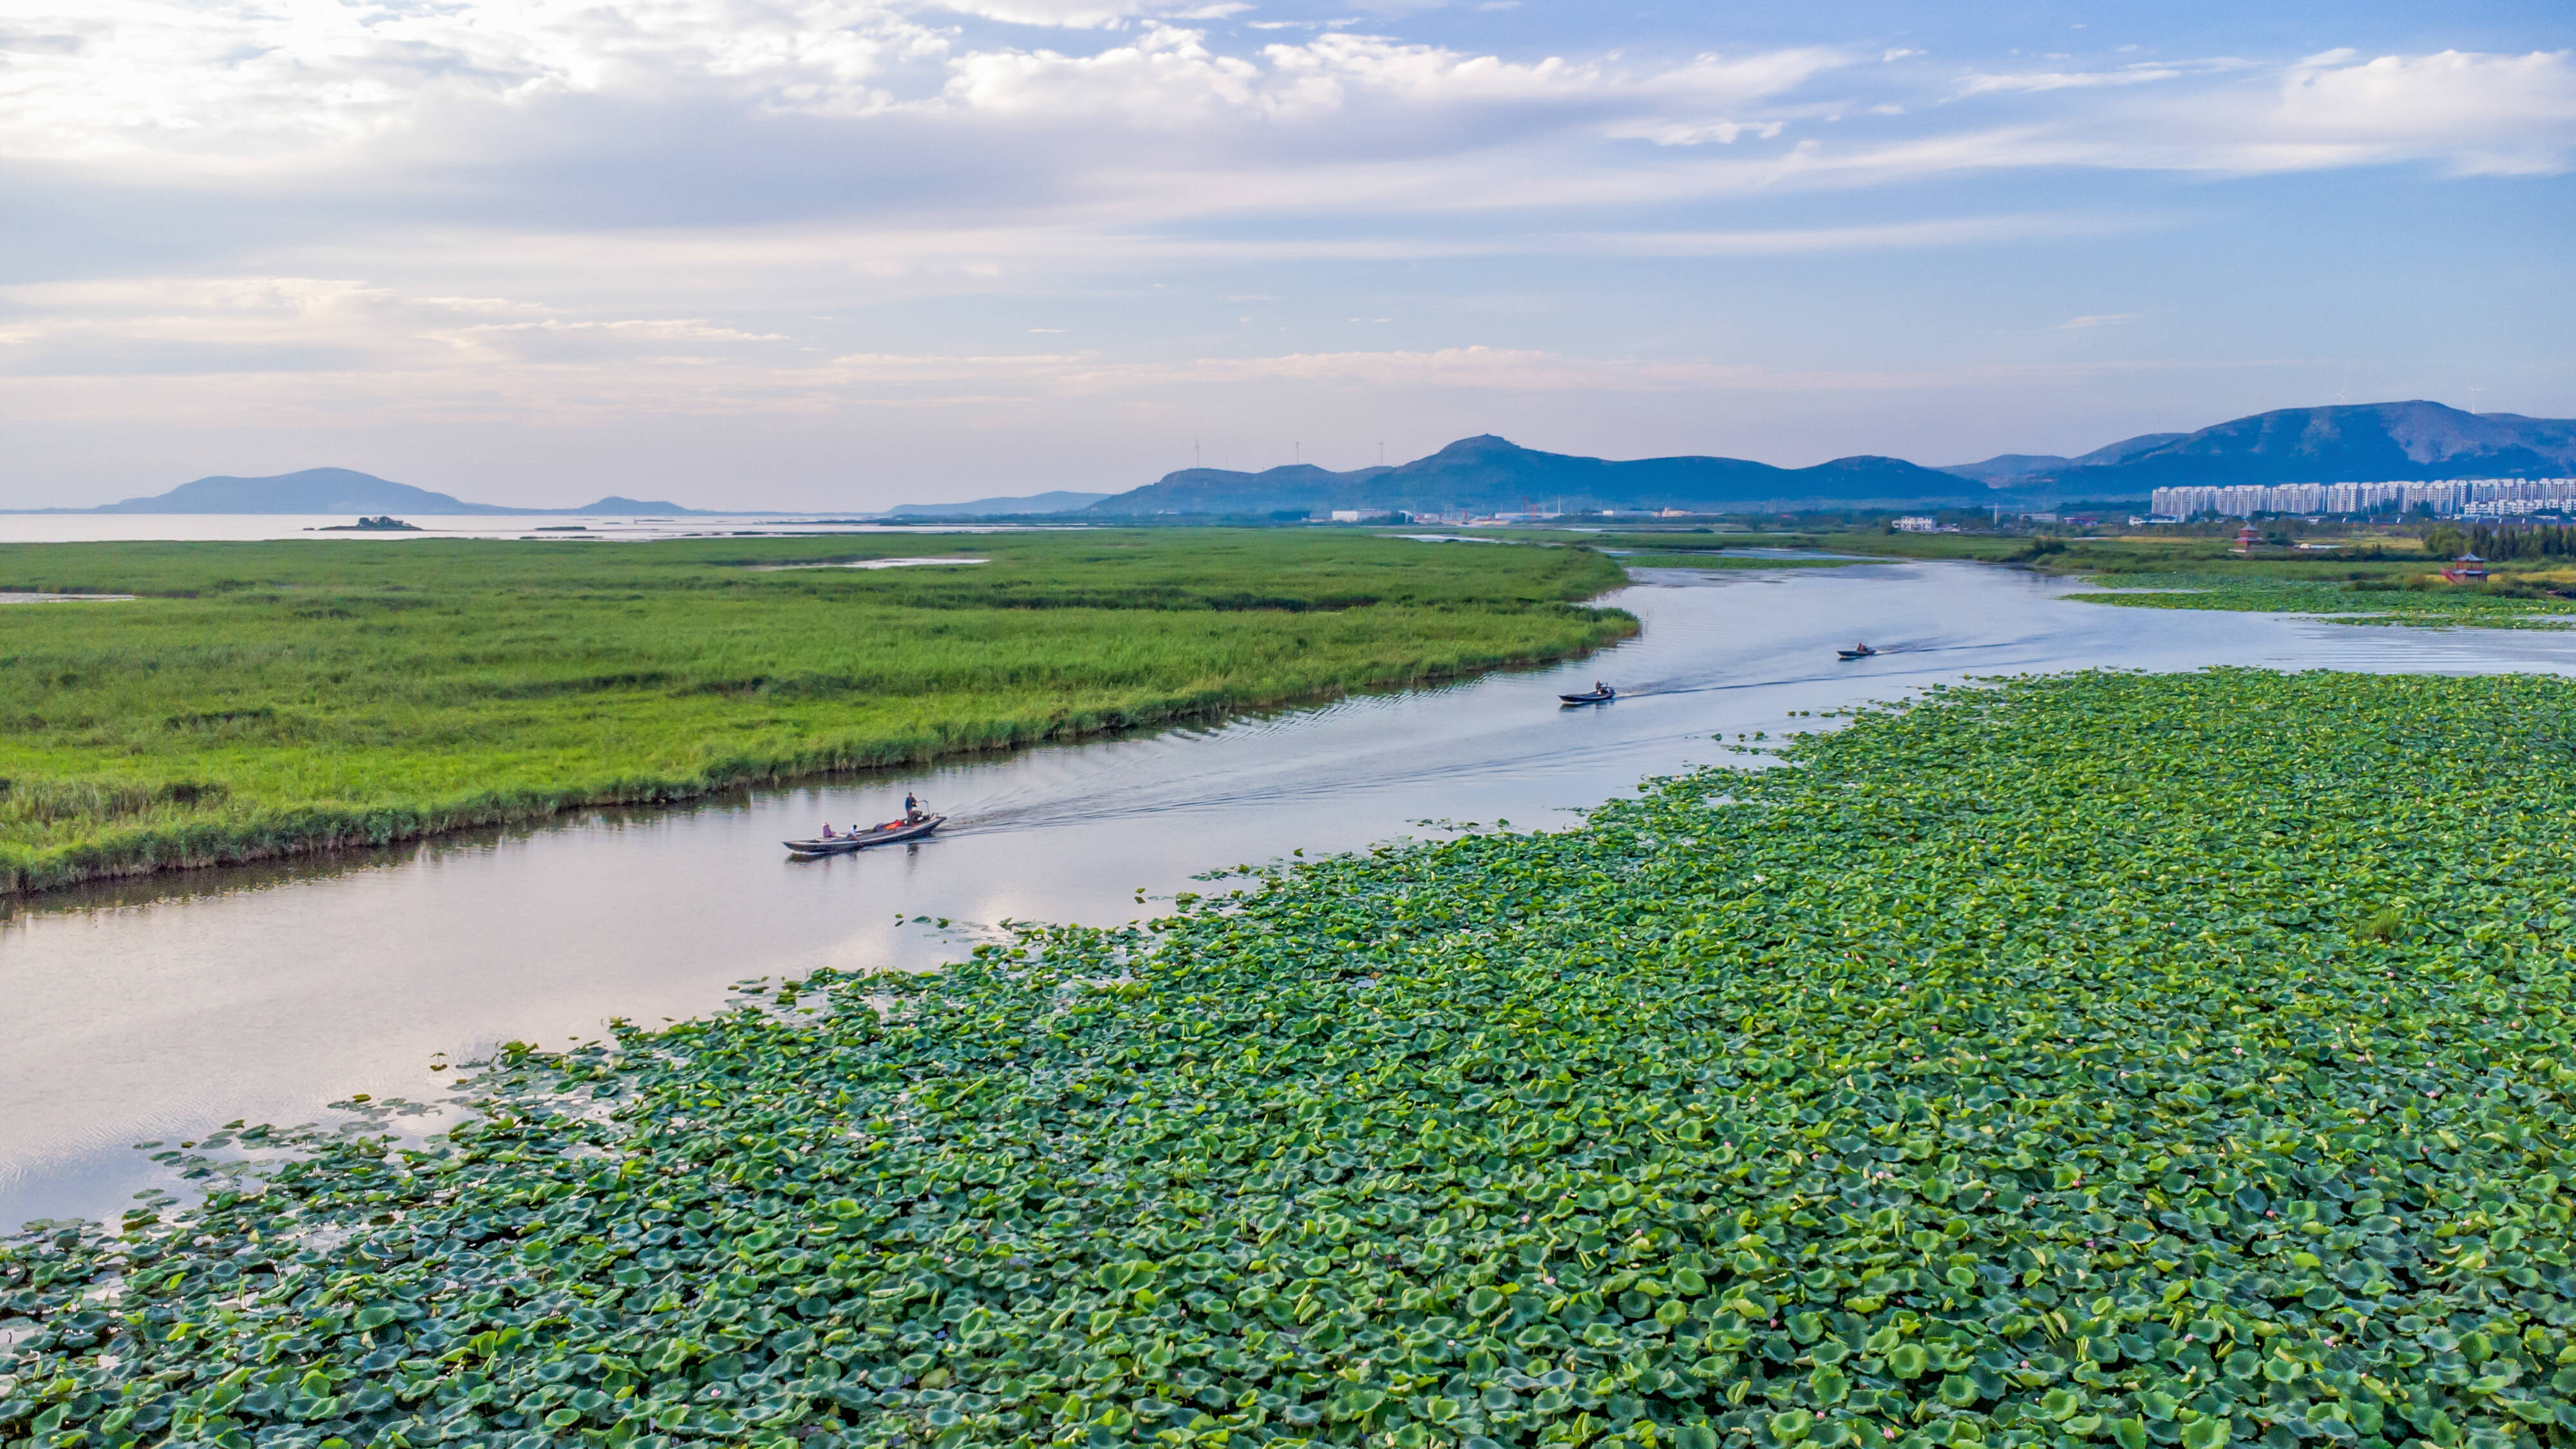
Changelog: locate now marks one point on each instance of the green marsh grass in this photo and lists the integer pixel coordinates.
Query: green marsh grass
(270, 698)
(2379, 580)
(2382, 598)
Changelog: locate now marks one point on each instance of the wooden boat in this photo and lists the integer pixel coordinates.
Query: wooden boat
(1862, 652)
(1603, 695)
(886, 834)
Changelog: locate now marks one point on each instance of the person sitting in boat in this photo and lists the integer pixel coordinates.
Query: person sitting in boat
(827, 832)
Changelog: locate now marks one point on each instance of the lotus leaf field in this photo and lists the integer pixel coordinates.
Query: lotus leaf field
(2100, 1060)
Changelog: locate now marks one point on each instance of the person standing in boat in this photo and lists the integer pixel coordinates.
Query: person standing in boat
(911, 808)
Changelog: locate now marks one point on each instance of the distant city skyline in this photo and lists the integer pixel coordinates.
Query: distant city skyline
(850, 253)
(2458, 498)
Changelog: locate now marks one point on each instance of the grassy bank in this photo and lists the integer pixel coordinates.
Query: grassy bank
(269, 698)
(2375, 579)
(2369, 600)
(2108, 1060)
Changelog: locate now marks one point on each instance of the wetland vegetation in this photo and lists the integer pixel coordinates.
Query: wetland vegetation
(2091, 1061)
(269, 698)
(2384, 576)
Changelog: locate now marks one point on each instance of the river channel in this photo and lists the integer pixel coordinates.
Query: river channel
(159, 1009)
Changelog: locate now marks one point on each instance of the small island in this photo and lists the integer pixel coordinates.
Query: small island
(386, 523)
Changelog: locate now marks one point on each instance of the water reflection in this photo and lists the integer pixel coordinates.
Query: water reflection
(158, 1008)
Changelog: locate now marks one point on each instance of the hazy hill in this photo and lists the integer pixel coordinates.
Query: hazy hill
(2361, 442)
(343, 490)
(1059, 501)
(2006, 470)
(1220, 490)
(616, 503)
(1490, 474)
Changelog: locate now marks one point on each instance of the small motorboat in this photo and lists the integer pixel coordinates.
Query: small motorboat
(886, 834)
(1603, 695)
(1857, 651)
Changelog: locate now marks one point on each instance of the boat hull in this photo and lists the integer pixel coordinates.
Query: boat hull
(883, 835)
(1602, 698)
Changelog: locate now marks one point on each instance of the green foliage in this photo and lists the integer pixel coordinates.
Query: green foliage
(2372, 599)
(1980, 547)
(2106, 1059)
(276, 697)
(2495, 542)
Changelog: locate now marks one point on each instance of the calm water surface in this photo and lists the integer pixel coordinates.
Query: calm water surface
(160, 1009)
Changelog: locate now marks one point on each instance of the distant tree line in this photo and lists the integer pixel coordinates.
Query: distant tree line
(2502, 541)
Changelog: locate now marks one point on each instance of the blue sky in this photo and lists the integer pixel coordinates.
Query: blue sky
(847, 253)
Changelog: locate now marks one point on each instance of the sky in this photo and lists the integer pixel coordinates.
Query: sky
(842, 254)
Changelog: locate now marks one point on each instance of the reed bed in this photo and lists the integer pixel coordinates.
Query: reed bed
(274, 698)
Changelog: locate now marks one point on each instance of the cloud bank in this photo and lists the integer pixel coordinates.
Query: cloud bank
(545, 211)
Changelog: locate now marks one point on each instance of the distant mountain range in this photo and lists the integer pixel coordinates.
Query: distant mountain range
(1489, 474)
(2365, 442)
(342, 490)
(2007, 470)
(2362, 442)
(2357, 443)
(1056, 502)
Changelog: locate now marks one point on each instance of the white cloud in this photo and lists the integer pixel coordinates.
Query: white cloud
(221, 91)
(248, 87)
(2492, 114)
(482, 304)
(2098, 319)
(1167, 77)
(1320, 73)
(2468, 114)
(2471, 114)
(249, 84)
(2070, 80)
(1082, 14)
(1688, 133)
(1067, 14)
